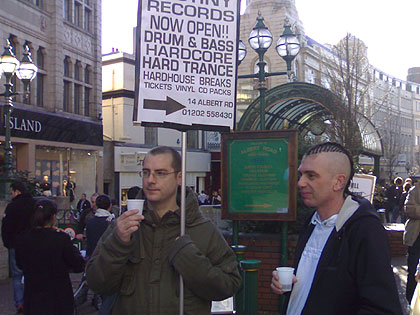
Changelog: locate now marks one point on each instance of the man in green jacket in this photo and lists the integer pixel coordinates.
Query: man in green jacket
(140, 257)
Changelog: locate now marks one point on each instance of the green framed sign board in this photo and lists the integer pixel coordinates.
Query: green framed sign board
(259, 171)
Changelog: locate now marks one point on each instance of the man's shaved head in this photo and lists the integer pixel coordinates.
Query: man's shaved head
(339, 160)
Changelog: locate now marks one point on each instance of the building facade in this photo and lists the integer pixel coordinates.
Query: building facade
(391, 104)
(126, 144)
(57, 131)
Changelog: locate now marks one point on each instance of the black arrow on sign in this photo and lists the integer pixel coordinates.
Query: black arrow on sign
(170, 105)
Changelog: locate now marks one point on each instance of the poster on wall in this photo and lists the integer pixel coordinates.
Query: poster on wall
(186, 64)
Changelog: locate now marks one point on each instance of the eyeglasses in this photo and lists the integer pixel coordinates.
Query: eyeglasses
(156, 174)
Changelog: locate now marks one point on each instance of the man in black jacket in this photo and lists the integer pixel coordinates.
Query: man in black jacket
(17, 219)
(342, 258)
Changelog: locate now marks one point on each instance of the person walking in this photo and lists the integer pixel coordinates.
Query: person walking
(342, 258)
(140, 257)
(411, 236)
(95, 227)
(393, 194)
(17, 219)
(46, 255)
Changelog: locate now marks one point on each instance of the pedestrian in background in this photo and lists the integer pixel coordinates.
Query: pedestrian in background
(411, 236)
(406, 188)
(46, 255)
(95, 227)
(85, 216)
(393, 194)
(83, 203)
(17, 219)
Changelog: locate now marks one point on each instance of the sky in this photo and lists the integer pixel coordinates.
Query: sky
(389, 29)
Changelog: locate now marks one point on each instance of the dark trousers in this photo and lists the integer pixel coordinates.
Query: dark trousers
(412, 261)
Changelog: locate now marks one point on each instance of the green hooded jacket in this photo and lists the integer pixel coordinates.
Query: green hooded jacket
(145, 272)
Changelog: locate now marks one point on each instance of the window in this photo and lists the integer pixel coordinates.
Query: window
(40, 82)
(417, 124)
(77, 70)
(66, 96)
(67, 10)
(150, 136)
(417, 140)
(86, 111)
(88, 71)
(87, 19)
(40, 58)
(67, 67)
(77, 98)
(78, 14)
(192, 139)
(418, 106)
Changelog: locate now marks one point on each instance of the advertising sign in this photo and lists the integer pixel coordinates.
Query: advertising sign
(363, 185)
(186, 64)
(259, 171)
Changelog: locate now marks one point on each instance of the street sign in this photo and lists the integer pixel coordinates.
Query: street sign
(186, 64)
(259, 171)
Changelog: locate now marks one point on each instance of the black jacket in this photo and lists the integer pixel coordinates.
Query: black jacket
(46, 257)
(17, 218)
(354, 274)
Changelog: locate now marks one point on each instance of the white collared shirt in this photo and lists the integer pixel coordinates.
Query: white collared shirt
(309, 262)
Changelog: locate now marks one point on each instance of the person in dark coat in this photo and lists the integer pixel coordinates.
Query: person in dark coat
(342, 259)
(95, 227)
(85, 216)
(17, 219)
(46, 255)
(83, 203)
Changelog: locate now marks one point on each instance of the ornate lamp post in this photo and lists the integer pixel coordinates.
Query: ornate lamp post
(260, 40)
(26, 71)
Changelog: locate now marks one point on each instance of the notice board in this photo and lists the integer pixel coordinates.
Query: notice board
(259, 171)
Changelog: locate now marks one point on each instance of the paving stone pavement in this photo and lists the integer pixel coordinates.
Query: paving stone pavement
(7, 305)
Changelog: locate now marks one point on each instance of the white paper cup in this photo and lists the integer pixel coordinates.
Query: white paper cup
(135, 204)
(285, 277)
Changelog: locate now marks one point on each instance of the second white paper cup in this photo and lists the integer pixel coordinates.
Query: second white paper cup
(285, 277)
(135, 204)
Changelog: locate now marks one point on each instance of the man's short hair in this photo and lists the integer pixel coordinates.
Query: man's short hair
(132, 192)
(398, 180)
(18, 185)
(176, 158)
(103, 202)
(329, 147)
(94, 195)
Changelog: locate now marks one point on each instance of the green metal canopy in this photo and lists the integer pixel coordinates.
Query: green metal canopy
(298, 104)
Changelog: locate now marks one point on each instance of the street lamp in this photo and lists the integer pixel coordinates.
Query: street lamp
(260, 39)
(26, 71)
